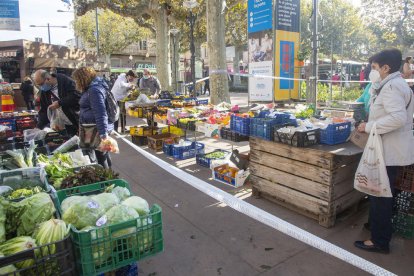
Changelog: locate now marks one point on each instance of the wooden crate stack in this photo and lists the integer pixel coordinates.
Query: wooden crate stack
(316, 181)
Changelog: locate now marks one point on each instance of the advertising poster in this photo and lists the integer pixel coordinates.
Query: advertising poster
(9, 15)
(260, 48)
(287, 21)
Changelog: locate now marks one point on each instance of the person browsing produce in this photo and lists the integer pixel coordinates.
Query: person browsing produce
(93, 109)
(58, 91)
(150, 82)
(120, 89)
(391, 110)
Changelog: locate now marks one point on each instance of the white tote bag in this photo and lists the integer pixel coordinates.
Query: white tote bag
(371, 176)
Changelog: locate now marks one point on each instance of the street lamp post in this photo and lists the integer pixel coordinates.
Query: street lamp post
(174, 32)
(48, 26)
(190, 5)
(76, 37)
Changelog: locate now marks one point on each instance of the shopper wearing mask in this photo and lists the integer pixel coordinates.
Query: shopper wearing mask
(93, 109)
(150, 82)
(392, 108)
(57, 91)
(121, 88)
(408, 72)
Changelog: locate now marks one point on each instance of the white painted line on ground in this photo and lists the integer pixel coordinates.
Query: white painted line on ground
(263, 216)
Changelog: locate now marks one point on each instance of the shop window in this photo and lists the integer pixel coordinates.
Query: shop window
(115, 62)
(143, 45)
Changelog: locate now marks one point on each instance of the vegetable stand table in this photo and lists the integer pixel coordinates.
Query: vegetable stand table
(315, 181)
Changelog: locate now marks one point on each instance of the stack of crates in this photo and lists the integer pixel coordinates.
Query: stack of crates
(403, 219)
(240, 125)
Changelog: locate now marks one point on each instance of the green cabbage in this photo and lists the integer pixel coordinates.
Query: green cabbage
(118, 214)
(139, 204)
(106, 200)
(121, 192)
(2, 221)
(83, 213)
(25, 215)
(145, 234)
(17, 245)
(67, 202)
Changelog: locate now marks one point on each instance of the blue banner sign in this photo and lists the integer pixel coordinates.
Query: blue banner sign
(259, 15)
(9, 15)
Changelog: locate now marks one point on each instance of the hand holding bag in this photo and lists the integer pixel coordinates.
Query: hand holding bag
(371, 176)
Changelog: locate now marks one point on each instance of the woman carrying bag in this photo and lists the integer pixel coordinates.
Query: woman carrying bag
(94, 126)
(391, 119)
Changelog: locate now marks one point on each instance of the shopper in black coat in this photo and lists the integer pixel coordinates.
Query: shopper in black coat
(58, 90)
(27, 89)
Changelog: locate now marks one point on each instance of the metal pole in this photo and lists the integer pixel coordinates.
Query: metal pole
(330, 84)
(48, 31)
(342, 65)
(315, 52)
(175, 65)
(97, 31)
(192, 49)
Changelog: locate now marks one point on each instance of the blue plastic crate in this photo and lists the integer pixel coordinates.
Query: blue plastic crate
(204, 161)
(201, 102)
(167, 149)
(335, 133)
(189, 99)
(240, 125)
(164, 102)
(11, 123)
(263, 127)
(186, 152)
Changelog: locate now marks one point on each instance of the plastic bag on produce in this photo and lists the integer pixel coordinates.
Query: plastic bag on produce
(143, 99)
(65, 147)
(371, 176)
(109, 145)
(34, 134)
(57, 118)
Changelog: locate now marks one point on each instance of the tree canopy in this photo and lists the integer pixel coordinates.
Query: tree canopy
(115, 32)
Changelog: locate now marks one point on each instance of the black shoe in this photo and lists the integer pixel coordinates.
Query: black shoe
(367, 226)
(371, 248)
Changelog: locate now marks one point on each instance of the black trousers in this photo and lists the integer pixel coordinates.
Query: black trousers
(122, 118)
(102, 158)
(30, 104)
(380, 213)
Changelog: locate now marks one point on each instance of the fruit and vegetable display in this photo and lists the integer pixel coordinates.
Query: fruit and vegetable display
(88, 175)
(23, 157)
(11, 194)
(28, 224)
(94, 213)
(216, 155)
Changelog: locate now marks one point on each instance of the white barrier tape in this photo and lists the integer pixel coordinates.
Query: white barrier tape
(263, 216)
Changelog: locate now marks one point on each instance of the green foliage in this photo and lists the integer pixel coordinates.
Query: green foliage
(115, 31)
(348, 93)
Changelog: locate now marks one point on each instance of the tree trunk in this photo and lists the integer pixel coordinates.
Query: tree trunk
(219, 86)
(163, 49)
(236, 66)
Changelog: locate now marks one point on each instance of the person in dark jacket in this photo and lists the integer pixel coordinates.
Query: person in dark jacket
(58, 90)
(27, 89)
(93, 108)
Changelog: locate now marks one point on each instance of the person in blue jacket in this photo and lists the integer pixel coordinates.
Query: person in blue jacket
(365, 98)
(93, 108)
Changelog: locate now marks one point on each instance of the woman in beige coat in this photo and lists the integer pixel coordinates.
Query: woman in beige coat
(392, 108)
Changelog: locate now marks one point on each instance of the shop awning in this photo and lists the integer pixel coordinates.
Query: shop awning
(124, 70)
(67, 63)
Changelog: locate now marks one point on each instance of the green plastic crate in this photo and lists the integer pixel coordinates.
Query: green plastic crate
(106, 249)
(403, 224)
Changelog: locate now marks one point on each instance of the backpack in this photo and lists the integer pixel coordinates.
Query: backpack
(112, 108)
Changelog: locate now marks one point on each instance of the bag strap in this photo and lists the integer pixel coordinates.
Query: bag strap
(411, 97)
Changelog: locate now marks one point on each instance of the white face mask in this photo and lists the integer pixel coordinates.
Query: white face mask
(375, 78)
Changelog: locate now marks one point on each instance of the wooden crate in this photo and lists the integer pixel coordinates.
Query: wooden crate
(315, 181)
(156, 142)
